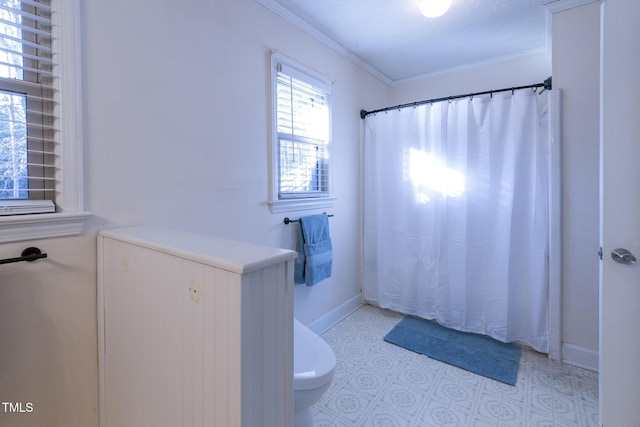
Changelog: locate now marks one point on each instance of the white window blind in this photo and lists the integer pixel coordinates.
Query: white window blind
(303, 134)
(28, 135)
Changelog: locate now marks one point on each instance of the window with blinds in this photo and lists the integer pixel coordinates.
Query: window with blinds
(27, 101)
(303, 134)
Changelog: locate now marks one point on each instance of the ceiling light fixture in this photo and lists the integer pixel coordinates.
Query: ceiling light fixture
(434, 8)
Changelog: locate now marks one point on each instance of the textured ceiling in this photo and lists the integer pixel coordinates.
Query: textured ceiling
(393, 38)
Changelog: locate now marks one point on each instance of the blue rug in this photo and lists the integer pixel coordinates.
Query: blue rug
(476, 353)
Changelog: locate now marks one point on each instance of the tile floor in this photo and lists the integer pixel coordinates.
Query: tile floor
(380, 384)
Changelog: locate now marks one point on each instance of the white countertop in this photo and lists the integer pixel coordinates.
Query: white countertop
(230, 255)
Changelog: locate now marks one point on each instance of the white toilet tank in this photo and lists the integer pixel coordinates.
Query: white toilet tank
(313, 359)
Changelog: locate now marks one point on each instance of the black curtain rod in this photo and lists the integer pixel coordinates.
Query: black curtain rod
(546, 85)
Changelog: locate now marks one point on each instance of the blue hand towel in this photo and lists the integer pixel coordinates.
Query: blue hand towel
(298, 271)
(315, 253)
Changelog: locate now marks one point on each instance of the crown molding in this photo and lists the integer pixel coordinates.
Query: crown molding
(554, 6)
(323, 38)
(472, 65)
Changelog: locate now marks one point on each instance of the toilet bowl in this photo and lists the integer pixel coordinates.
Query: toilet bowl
(313, 364)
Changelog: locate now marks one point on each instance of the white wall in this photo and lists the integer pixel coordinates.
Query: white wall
(48, 334)
(176, 133)
(508, 72)
(576, 70)
(178, 126)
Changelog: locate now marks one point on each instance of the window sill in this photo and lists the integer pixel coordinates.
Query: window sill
(41, 226)
(287, 205)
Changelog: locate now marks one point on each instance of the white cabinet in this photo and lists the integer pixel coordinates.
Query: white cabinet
(193, 331)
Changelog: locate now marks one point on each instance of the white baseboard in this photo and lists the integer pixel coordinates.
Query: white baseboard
(325, 322)
(580, 356)
(571, 354)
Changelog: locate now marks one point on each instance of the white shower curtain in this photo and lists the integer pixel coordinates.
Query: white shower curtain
(456, 214)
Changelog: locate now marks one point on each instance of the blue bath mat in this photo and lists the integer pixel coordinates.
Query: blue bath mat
(476, 353)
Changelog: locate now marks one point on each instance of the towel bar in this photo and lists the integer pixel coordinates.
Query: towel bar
(287, 220)
(29, 254)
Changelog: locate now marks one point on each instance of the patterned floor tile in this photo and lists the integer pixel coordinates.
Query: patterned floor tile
(379, 384)
(384, 416)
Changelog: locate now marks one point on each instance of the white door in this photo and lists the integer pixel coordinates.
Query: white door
(620, 215)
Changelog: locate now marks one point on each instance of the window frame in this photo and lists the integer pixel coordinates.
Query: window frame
(70, 215)
(322, 199)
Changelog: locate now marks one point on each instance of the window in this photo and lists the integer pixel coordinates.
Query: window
(37, 41)
(301, 138)
(27, 140)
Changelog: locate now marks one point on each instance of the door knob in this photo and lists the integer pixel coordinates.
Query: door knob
(623, 256)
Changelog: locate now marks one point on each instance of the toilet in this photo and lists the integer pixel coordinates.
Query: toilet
(313, 364)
